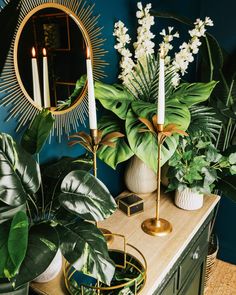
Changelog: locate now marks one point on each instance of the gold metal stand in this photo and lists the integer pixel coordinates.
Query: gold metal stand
(157, 226)
(92, 143)
(96, 139)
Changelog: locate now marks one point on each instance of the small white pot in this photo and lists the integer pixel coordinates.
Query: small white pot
(139, 178)
(188, 200)
(53, 269)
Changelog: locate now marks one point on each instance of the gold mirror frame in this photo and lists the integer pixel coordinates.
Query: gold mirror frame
(22, 106)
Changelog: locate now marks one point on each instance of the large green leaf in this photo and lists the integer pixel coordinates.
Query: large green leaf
(84, 246)
(38, 132)
(194, 93)
(12, 234)
(19, 172)
(18, 235)
(8, 212)
(86, 196)
(144, 144)
(43, 244)
(4, 233)
(176, 112)
(114, 98)
(121, 152)
(62, 167)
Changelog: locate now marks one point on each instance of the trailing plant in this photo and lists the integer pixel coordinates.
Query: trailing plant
(45, 220)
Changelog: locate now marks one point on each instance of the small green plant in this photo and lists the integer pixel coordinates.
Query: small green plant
(197, 164)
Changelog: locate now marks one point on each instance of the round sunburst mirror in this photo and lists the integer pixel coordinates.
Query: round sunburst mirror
(47, 58)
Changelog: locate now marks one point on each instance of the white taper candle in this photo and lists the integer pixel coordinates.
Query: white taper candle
(46, 91)
(35, 77)
(91, 96)
(161, 91)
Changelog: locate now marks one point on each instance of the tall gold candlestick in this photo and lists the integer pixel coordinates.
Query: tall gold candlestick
(95, 144)
(158, 226)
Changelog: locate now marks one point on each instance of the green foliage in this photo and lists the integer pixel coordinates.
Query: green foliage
(122, 152)
(197, 164)
(191, 94)
(130, 110)
(204, 122)
(20, 174)
(84, 246)
(85, 195)
(38, 132)
(76, 192)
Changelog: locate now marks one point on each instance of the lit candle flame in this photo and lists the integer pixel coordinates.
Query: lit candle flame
(44, 52)
(88, 53)
(33, 52)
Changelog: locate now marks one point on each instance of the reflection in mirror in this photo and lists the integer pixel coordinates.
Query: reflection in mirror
(60, 51)
(63, 28)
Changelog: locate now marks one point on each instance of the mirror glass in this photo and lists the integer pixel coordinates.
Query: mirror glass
(51, 44)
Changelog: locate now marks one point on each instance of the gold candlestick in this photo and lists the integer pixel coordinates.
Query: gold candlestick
(93, 143)
(96, 139)
(157, 226)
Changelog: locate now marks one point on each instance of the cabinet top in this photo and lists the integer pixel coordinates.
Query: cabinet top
(160, 252)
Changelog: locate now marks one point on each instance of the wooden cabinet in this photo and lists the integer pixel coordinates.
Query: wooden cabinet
(176, 262)
(189, 271)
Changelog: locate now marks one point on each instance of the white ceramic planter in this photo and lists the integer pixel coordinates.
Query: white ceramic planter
(188, 200)
(53, 269)
(139, 178)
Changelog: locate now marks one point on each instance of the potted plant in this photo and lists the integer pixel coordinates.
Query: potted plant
(137, 96)
(40, 223)
(195, 168)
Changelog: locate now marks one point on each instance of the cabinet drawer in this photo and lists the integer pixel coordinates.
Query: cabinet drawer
(197, 252)
(170, 288)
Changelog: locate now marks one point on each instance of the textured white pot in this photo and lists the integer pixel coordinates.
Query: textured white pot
(139, 178)
(53, 269)
(188, 200)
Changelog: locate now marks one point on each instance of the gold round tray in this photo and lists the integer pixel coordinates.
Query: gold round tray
(130, 274)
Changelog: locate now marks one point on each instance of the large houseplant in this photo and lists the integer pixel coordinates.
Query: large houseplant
(137, 95)
(42, 223)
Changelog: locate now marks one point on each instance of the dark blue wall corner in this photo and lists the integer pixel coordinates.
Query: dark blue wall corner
(226, 231)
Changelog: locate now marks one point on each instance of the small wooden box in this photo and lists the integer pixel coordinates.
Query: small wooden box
(130, 204)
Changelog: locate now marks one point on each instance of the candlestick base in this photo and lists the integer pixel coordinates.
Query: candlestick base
(108, 235)
(156, 227)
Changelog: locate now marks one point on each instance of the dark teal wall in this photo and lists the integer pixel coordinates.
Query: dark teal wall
(223, 14)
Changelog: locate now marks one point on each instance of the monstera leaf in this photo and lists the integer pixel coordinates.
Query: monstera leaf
(121, 151)
(86, 196)
(144, 144)
(84, 246)
(194, 93)
(43, 244)
(114, 98)
(20, 174)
